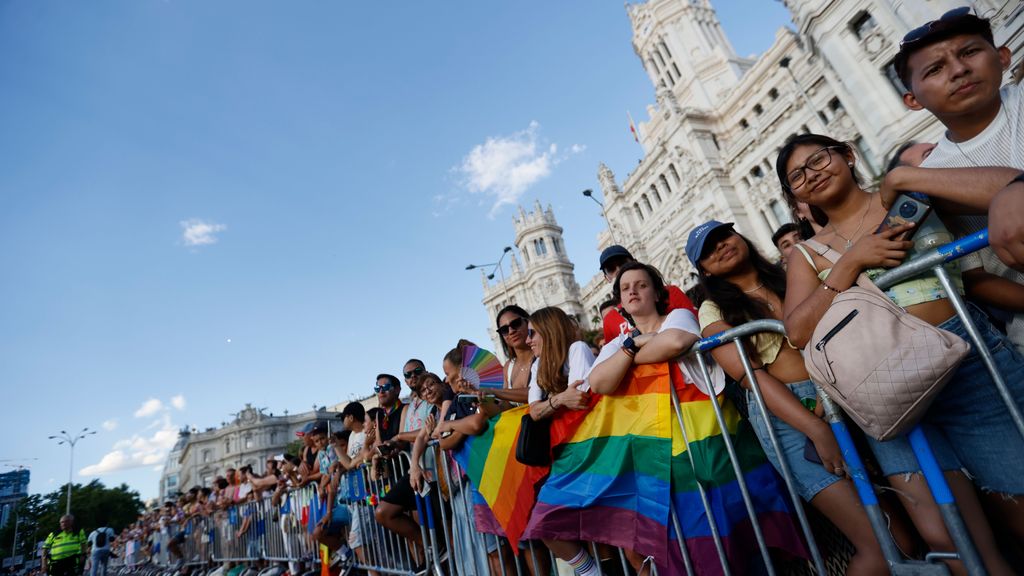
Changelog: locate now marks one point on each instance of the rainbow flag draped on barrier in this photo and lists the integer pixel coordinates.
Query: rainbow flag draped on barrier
(619, 464)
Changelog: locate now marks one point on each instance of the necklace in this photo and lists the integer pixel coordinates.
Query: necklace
(754, 289)
(849, 241)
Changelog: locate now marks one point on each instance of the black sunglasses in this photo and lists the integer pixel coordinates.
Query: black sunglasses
(386, 387)
(414, 372)
(513, 325)
(921, 31)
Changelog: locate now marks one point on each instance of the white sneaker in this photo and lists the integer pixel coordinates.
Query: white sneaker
(341, 556)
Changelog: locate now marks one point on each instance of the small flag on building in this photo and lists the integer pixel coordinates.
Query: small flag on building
(632, 127)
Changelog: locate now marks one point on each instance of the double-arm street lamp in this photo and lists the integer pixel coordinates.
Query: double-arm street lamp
(497, 265)
(71, 439)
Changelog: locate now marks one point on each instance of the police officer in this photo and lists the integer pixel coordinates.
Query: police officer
(63, 552)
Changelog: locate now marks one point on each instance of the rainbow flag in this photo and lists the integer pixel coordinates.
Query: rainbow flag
(710, 466)
(505, 485)
(618, 465)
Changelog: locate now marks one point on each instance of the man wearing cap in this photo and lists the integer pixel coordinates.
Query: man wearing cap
(952, 68)
(613, 258)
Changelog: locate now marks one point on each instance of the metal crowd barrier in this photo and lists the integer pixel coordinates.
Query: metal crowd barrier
(966, 551)
(261, 532)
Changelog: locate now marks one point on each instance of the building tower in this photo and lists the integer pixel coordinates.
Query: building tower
(543, 278)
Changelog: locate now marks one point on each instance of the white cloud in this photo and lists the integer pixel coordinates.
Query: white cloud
(137, 451)
(179, 400)
(149, 407)
(196, 232)
(505, 167)
(109, 425)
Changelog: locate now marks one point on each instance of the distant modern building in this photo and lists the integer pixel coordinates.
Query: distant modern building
(13, 488)
(711, 139)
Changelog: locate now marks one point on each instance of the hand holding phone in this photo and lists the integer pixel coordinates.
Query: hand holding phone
(905, 210)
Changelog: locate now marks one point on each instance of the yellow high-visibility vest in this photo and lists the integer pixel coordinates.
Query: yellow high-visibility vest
(64, 545)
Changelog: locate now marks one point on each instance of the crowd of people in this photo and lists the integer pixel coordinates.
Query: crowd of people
(972, 178)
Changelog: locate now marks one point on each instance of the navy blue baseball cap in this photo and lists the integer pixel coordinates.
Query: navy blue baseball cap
(695, 242)
(613, 251)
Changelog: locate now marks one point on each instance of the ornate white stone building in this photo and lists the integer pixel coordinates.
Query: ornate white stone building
(544, 278)
(711, 138)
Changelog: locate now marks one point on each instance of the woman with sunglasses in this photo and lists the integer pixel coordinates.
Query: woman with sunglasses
(511, 322)
(742, 285)
(968, 425)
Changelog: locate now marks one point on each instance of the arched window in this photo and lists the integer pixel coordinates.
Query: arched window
(654, 194)
(664, 184)
(675, 174)
(639, 213)
(647, 203)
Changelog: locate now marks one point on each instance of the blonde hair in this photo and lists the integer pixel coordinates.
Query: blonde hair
(559, 331)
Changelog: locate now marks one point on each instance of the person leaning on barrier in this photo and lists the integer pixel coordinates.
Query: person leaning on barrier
(1002, 297)
(741, 285)
(968, 412)
(952, 67)
(63, 552)
(511, 327)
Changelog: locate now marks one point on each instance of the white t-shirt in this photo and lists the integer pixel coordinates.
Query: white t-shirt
(1001, 143)
(577, 367)
(356, 443)
(679, 319)
(95, 533)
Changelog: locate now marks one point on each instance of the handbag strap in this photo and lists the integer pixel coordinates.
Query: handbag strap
(833, 256)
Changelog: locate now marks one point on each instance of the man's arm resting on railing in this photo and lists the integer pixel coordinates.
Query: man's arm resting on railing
(1006, 224)
(664, 346)
(957, 190)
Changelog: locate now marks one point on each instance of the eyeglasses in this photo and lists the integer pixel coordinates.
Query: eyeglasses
(817, 161)
(530, 333)
(513, 325)
(378, 388)
(921, 31)
(413, 372)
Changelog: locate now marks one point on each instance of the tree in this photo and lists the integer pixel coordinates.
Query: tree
(93, 505)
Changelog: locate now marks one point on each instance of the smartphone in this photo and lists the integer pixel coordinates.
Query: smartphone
(904, 210)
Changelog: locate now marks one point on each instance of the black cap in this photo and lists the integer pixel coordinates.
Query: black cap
(320, 427)
(613, 251)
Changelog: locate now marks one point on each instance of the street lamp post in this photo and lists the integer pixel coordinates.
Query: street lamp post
(497, 265)
(784, 63)
(590, 194)
(71, 440)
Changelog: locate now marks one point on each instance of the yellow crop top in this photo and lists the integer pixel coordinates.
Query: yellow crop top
(768, 344)
(922, 288)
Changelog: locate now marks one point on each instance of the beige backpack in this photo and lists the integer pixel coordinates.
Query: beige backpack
(882, 365)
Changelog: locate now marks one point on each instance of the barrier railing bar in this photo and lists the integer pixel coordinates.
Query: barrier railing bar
(734, 460)
(712, 524)
(787, 473)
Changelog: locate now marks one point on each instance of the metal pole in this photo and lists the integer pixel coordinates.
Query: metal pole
(71, 470)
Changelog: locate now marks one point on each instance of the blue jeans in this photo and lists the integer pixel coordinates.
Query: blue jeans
(969, 420)
(98, 563)
(809, 478)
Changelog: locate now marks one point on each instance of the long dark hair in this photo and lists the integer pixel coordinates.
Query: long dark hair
(736, 306)
(787, 151)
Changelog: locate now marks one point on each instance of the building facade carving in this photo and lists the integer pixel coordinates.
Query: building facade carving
(718, 121)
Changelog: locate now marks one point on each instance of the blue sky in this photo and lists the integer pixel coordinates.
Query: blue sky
(210, 203)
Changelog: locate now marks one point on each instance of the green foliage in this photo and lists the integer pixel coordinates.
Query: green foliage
(93, 505)
(294, 448)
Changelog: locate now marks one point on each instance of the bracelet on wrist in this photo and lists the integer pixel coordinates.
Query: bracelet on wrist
(1018, 178)
(629, 352)
(825, 286)
(550, 403)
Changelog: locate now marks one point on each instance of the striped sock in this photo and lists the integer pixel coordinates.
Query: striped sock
(584, 565)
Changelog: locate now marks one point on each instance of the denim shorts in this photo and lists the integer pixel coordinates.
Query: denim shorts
(971, 414)
(809, 477)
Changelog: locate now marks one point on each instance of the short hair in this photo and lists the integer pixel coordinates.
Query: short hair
(414, 361)
(390, 378)
(660, 291)
(968, 24)
(782, 231)
(355, 410)
(895, 160)
(341, 435)
(609, 303)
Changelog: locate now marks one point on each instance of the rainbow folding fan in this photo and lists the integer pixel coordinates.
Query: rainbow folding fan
(481, 368)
